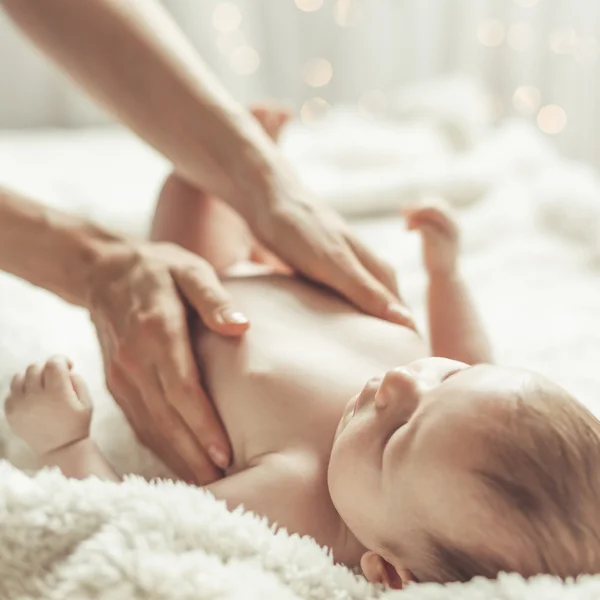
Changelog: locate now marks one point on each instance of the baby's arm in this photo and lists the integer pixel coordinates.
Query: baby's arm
(50, 409)
(456, 331)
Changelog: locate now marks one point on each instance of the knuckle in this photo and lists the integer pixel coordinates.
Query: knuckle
(10, 405)
(156, 324)
(53, 367)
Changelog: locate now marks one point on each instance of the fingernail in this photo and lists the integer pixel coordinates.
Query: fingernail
(231, 316)
(398, 314)
(219, 457)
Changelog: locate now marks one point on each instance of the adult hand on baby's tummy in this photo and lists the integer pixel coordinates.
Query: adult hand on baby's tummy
(137, 307)
(315, 241)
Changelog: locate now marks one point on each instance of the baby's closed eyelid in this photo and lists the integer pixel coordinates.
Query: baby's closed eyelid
(455, 372)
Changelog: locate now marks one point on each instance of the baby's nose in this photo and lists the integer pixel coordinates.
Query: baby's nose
(400, 383)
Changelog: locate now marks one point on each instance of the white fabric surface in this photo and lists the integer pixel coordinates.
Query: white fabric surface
(538, 292)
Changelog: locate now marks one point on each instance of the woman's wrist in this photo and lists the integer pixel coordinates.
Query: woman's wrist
(49, 248)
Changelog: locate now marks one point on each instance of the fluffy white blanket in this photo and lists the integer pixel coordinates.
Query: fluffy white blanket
(539, 293)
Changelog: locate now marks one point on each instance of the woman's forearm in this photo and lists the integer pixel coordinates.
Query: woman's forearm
(131, 57)
(49, 248)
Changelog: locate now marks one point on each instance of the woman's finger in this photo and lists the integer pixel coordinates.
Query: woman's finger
(198, 413)
(130, 402)
(172, 430)
(202, 288)
(178, 374)
(379, 268)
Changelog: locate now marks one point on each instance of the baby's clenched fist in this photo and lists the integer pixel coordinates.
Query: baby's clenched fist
(439, 234)
(49, 407)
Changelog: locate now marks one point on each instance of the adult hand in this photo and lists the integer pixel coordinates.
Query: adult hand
(316, 241)
(136, 304)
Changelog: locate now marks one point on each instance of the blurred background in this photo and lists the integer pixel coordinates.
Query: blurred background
(538, 59)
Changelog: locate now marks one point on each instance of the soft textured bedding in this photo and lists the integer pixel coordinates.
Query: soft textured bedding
(530, 222)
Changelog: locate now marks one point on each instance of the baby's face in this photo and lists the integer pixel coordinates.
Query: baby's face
(406, 448)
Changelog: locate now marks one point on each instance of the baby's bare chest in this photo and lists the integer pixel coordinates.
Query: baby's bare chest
(307, 353)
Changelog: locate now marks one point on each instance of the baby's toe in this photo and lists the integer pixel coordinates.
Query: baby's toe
(17, 384)
(55, 374)
(33, 379)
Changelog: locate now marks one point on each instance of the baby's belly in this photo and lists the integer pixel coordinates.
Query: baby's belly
(306, 354)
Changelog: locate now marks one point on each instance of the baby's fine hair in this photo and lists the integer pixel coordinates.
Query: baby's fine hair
(542, 480)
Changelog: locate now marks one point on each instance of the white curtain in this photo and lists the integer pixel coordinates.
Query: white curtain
(538, 58)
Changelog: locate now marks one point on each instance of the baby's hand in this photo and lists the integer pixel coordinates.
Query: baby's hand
(49, 407)
(440, 235)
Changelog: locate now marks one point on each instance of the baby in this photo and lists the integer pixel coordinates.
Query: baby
(436, 469)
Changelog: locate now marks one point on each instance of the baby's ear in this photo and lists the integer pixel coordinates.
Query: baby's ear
(378, 570)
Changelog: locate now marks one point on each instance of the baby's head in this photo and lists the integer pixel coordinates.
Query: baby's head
(445, 472)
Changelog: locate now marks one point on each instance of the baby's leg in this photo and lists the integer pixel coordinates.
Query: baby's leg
(206, 225)
(50, 408)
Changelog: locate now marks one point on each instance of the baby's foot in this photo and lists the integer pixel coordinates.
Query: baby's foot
(49, 407)
(272, 118)
(440, 235)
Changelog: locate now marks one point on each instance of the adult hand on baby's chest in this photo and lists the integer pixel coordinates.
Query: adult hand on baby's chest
(136, 304)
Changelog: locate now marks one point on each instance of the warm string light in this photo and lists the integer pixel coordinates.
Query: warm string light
(309, 5)
(313, 110)
(226, 17)
(552, 119)
(491, 32)
(231, 42)
(346, 13)
(520, 36)
(244, 60)
(526, 100)
(317, 72)
(582, 48)
(373, 102)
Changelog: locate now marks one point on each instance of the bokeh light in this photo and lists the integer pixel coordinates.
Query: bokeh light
(552, 119)
(317, 72)
(309, 5)
(373, 102)
(244, 60)
(587, 49)
(346, 13)
(563, 41)
(527, 100)
(490, 32)
(314, 109)
(226, 17)
(520, 36)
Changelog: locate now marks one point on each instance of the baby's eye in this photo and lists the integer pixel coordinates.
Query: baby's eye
(453, 372)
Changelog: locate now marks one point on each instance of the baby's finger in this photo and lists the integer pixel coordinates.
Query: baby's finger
(55, 374)
(17, 384)
(33, 378)
(81, 390)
